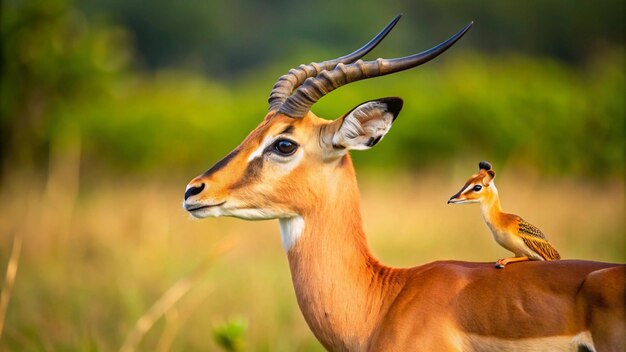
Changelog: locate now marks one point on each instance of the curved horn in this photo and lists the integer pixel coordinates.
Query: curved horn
(294, 78)
(314, 88)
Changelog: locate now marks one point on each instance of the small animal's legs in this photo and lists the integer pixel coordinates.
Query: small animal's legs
(501, 263)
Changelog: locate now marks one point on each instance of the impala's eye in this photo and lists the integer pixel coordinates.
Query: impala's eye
(477, 188)
(285, 147)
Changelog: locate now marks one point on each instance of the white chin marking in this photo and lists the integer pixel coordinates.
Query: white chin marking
(205, 213)
(290, 231)
(250, 214)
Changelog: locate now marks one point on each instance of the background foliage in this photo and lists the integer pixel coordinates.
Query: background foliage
(108, 108)
(119, 73)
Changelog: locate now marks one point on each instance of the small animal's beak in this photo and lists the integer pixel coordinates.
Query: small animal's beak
(453, 199)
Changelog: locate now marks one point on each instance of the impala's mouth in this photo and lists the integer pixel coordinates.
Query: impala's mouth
(194, 208)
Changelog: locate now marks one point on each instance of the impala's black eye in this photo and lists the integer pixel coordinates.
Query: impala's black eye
(285, 147)
(477, 188)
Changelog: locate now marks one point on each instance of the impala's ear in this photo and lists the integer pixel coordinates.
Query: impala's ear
(366, 124)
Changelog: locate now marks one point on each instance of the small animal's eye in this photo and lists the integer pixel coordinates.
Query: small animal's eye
(477, 188)
(285, 147)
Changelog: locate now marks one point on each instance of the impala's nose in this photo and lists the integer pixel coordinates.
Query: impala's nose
(193, 190)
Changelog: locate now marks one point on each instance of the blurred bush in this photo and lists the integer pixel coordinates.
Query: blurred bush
(65, 73)
(535, 111)
(54, 60)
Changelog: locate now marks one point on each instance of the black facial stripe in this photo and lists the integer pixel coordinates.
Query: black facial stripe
(220, 164)
(252, 172)
(456, 195)
(461, 190)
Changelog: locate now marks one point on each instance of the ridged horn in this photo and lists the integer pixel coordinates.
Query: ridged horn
(296, 76)
(314, 88)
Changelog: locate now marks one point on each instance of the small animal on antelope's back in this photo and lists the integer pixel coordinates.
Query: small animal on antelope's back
(512, 232)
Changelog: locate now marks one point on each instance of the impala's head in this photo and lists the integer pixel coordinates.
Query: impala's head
(478, 188)
(293, 157)
(285, 163)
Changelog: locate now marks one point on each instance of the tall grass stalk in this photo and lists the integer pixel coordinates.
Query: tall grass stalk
(176, 317)
(9, 280)
(170, 298)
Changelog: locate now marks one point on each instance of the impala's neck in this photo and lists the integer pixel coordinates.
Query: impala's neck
(337, 281)
(490, 206)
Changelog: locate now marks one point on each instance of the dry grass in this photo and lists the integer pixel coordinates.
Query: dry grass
(94, 262)
(9, 280)
(167, 301)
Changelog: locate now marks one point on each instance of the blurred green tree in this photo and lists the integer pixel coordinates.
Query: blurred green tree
(53, 57)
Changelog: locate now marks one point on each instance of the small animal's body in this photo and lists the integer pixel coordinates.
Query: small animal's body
(512, 232)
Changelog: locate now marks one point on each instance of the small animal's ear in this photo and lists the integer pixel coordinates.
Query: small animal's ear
(366, 124)
(489, 177)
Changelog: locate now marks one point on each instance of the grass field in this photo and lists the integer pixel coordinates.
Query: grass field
(95, 259)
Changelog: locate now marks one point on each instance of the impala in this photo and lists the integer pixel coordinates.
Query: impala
(295, 167)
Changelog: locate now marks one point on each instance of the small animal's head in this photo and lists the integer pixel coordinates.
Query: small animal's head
(478, 188)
